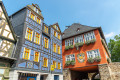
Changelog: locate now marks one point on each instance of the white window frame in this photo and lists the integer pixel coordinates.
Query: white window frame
(78, 39)
(70, 57)
(93, 54)
(2, 70)
(89, 36)
(69, 42)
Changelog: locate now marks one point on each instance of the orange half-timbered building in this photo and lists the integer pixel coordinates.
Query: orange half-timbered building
(84, 48)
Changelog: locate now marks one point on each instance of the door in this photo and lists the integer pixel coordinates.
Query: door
(31, 78)
(41, 77)
(56, 77)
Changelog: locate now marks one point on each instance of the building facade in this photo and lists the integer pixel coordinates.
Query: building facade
(84, 48)
(36, 52)
(8, 42)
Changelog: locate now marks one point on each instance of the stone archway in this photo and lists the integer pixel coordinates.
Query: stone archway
(96, 76)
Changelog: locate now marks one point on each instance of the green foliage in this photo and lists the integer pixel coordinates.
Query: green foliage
(67, 63)
(69, 47)
(114, 47)
(87, 42)
(90, 41)
(90, 60)
(79, 44)
(72, 62)
(97, 59)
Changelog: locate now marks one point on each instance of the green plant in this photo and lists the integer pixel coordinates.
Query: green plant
(90, 41)
(67, 47)
(90, 60)
(72, 62)
(79, 44)
(97, 59)
(71, 47)
(93, 40)
(87, 42)
(67, 63)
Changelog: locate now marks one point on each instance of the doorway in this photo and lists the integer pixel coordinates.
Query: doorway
(31, 78)
(56, 77)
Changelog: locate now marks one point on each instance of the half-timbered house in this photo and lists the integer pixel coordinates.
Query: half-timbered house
(7, 44)
(34, 51)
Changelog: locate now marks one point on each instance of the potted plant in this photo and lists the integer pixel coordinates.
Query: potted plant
(72, 62)
(71, 47)
(90, 60)
(97, 59)
(67, 63)
(67, 47)
(77, 45)
(93, 40)
(88, 42)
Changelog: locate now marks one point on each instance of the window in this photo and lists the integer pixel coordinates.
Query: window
(37, 38)
(2, 71)
(54, 26)
(29, 33)
(93, 53)
(58, 49)
(38, 20)
(0, 42)
(45, 42)
(36, 56)
(54, 63)
(70, 57)
(58, 36)
(59, 65)
(32, 16)
(55, 33)
(45, 62)
(69, 42)
(46, 29)
(78, 39)
(54, 47)
(26, 54)
(89, 36)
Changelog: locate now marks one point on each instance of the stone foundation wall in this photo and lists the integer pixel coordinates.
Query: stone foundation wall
(110, 71)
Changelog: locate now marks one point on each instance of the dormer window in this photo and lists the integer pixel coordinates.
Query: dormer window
(78, 29)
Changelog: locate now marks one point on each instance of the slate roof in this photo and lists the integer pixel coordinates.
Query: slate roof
(72, 30)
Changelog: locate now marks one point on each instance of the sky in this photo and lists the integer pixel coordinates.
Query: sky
(95, 13)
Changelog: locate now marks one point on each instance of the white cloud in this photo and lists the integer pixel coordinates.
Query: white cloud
(109, 35)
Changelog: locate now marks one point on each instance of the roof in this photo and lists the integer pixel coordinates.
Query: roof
(7, 18)
(72, 30)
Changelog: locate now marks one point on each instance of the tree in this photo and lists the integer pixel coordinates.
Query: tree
(114, 47)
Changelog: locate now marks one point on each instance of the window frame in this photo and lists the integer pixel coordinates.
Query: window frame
(47, 42)
(59, 65)
(37, 37)
(70, 58)
(58, 49)
(89, 36)
(35, 55)
(54, 47)
(46, 65)
(55, 65)
(78, 39)
(69, 42)
(92, 54)
(26, 37)
(27, 55)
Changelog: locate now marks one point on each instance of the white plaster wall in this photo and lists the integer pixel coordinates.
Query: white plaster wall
(13, 75)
